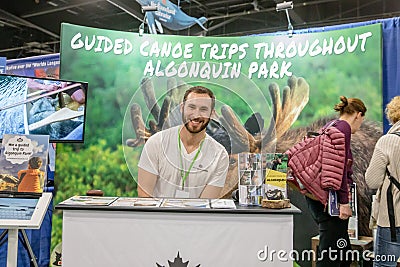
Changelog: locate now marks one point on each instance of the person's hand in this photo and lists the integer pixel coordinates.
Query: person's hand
(50, 87)
(345, 211)
(63, 84)
(79, 96)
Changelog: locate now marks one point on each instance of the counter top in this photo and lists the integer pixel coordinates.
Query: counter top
(238, 210)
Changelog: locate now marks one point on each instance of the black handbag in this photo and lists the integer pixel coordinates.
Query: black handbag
(390, 205)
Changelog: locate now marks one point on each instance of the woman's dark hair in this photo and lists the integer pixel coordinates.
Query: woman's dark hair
(200, 90)
(350, 106)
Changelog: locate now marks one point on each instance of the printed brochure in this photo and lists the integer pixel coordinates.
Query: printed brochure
(186, 203)
(136, 202)
(89, 201)
(222, 204)
(23, 162)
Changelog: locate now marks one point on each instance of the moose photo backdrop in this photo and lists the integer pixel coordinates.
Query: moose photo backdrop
(240, 70)
(292, 82)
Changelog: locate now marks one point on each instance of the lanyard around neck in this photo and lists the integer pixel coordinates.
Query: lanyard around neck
(185, 174)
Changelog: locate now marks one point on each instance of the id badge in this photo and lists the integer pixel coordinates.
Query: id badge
(181, 194)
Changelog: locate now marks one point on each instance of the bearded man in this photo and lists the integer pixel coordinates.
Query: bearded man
(184, 161)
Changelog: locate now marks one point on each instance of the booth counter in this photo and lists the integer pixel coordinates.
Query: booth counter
(164, 236)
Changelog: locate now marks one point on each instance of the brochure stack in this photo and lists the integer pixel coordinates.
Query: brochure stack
(334, 209)
(261, 176)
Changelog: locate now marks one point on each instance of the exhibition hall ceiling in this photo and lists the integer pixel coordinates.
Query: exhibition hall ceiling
(32, 27)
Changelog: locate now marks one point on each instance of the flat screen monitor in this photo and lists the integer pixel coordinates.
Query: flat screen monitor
(43, 106)
(23, 210)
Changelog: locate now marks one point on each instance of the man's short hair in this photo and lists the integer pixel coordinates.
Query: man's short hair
(35, 162)
(200, 90)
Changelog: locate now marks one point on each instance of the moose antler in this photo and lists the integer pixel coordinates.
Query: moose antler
(241, 139)
(295, 96)
(163, 118)
(285, 113)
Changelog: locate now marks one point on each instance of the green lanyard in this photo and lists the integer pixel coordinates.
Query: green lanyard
(185, 174)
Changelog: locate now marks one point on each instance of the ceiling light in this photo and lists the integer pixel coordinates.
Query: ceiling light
(52, 3)
(284, 6)
(146, 9)
(72, 12)
(149, 8)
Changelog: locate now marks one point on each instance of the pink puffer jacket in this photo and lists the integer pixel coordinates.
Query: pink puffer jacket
(318, 163)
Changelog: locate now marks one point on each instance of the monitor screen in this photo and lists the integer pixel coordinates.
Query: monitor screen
(17, 208)
(25, 211)
(44, 107)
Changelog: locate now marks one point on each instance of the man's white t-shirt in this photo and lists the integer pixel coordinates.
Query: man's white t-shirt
(161, 156)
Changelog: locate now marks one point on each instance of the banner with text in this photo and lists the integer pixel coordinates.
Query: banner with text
(46, 66)
(290, 82)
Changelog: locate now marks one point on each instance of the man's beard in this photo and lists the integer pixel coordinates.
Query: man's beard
(193, 131)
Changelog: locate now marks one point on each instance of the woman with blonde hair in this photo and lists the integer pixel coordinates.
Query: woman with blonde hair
(385, 162)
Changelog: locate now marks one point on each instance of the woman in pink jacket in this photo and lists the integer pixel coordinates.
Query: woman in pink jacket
(333, 237)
